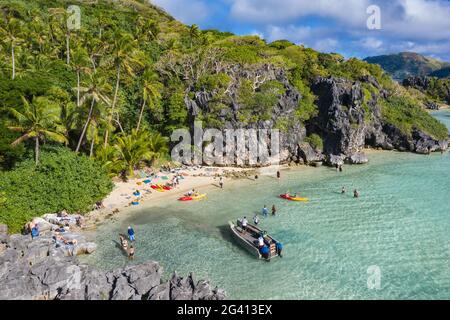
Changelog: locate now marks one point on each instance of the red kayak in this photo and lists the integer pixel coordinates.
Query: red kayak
(158, 186)
(186, 198)
(302, 199)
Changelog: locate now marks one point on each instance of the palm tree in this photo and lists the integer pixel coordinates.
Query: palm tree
(194, 33)
(61, 12)
(158, 146)
(39, 119)
(132, 150)
(80, 61)
(12, 33)
(151, 89)
(96, 91)
(123, 50)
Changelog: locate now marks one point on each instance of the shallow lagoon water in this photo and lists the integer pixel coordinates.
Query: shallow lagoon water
(401, 224)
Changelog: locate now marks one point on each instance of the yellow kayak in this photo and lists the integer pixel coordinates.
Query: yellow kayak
(299, 199)
(284, 196)
(199, 197)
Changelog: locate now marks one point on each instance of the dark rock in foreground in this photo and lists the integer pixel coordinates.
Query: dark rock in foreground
(37, 270)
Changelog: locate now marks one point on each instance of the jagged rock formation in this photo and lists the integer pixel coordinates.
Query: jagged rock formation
(347, 127)
(345, 121)
(285, 107)
(36, 269)
(436, 87)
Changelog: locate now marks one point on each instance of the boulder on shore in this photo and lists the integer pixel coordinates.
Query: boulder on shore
(38, 269)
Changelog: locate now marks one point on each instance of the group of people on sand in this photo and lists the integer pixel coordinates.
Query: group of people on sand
(124, 242)
(355, 192)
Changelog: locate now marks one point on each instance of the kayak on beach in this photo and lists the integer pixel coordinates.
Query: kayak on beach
(288, 197)
(190, 198)
(160, 187)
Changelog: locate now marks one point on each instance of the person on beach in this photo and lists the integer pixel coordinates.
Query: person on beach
(131, 234)
(221, 182)
(343, 190)
(256, 219)
(356, 193)
(274, 210)
(265, 211)
(278, 175)
(131, 253)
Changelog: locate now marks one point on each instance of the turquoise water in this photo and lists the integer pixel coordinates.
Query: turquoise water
(401, 223)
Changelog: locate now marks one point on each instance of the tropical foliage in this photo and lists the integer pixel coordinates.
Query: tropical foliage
(63, 180)
(113, 90)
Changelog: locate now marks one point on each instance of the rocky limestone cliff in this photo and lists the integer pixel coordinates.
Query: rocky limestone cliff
(345, 124)
(285, 107)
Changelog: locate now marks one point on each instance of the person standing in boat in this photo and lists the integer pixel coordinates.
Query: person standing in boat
(244, 223)
(261, 241)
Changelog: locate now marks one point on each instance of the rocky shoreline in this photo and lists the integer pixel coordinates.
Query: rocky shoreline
(39, 269)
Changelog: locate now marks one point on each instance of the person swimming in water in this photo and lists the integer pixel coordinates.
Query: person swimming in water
(343, 190)
(356, 193)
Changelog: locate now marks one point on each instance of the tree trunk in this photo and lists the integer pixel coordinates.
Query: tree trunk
(140, 116)
(85, 126)
(13, 57)
(116, 91)
(68, 48)
(78, 88)
(36, 150)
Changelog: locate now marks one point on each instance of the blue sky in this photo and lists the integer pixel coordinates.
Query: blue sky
(421, 26)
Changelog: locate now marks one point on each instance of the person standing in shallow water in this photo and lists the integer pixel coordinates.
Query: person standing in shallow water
(265, 211)
(221, 182)
(278, 175)
(343, 190)
(274, 210)
(131, 234)
(356, 193)
(131, 253)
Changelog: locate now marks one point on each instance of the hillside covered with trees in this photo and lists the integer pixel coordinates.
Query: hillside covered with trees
(106, 97)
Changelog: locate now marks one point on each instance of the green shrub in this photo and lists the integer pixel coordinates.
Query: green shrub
(315, 141)
(406, 115)
(63, 180)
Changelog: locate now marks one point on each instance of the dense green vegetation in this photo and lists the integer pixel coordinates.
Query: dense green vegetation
(405, 64)
(63, 180)
(113, 90)
(406, 115)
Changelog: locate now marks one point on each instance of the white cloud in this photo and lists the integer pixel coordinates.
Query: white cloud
(189, 12)
(276, 11)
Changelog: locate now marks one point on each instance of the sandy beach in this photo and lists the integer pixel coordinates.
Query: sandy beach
(200, 179)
